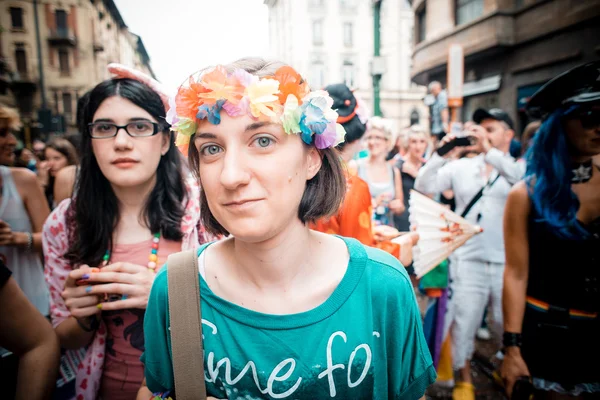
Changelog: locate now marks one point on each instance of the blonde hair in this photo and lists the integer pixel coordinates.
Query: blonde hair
(11, 116)
(382, 124)
(419, 130)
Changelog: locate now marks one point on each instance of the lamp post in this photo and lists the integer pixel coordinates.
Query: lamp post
(39, 54)
(377, 67)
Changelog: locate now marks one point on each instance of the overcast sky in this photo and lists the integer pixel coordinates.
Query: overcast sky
(183, 36)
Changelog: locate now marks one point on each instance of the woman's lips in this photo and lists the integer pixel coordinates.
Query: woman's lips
(124, 162)
(242, 205)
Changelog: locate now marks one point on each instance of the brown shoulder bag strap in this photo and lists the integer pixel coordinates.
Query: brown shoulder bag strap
(186, 326)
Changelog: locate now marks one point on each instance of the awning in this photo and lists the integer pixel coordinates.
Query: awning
(485, 85)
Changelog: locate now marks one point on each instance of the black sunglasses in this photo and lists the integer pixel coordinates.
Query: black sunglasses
(589, 118)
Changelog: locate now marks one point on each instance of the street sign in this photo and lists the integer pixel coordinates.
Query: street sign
(455, 75)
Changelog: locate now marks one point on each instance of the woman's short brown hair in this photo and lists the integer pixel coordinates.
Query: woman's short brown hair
(323, 194)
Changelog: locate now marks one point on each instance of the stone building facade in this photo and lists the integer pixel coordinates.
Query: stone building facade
(78, 38)
(331, 41)
(511, 47)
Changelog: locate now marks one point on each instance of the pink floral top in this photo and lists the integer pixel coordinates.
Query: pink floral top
(55, 237)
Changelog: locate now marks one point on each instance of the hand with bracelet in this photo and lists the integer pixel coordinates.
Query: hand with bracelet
(131, 281)
(10, 238)
(513, 365)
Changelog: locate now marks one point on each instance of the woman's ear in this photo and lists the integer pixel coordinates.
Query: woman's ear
(166, 144)
(314, 161)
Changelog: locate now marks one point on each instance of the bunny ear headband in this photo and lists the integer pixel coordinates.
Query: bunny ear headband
(282, 98)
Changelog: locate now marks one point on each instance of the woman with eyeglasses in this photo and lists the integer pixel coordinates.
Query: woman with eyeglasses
(385, 182)
(132, 207)
(552, 236)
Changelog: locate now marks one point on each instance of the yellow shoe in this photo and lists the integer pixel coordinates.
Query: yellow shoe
(463, 391)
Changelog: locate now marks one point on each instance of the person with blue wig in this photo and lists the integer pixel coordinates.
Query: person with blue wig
(552, 237)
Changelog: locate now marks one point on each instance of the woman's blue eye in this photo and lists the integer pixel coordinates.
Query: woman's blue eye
(211, 150)
(264, 141)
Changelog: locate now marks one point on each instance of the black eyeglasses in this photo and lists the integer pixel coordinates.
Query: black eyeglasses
(105, 130)
(590, 118)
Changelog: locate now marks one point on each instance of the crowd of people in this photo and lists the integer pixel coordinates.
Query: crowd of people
(302, 246)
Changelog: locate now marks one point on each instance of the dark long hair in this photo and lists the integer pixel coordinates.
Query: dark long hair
(66, 148)
(94, 210)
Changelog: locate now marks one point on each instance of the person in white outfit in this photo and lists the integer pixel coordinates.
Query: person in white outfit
(480, 185)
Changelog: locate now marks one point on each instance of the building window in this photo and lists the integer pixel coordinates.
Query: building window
(16, 18)
(63, 62)
(67, 101)
(317, 76)
(421, 24)
(61, 23)
(348, 74)
(348, 34)
(468, 10)
(21, 60)
(318, 32)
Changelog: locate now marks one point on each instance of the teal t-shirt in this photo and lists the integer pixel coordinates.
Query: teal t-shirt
(364, 342)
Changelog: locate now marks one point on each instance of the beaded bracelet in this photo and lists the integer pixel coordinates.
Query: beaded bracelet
(29, 245)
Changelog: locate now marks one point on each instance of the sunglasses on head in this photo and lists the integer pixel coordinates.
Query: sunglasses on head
(590, 118)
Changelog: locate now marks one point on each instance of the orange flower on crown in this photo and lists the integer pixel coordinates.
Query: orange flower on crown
(187, 100)
(290, 82)
(220, 86)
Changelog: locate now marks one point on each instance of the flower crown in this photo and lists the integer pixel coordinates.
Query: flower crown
(283, 98)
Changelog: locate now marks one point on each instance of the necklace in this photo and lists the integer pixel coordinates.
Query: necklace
(152, 262)
(582, 172)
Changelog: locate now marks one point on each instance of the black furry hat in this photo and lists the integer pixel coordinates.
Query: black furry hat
(345, 104)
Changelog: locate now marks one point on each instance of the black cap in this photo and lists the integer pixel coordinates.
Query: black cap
(344, 101)
(345, 104)
(578, 85)
(493, 113)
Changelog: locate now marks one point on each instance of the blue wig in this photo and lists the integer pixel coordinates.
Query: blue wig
(548, 178)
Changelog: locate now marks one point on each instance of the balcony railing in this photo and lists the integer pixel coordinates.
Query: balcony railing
(62, 36)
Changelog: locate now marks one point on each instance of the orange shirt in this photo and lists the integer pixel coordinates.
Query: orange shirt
(354, 217)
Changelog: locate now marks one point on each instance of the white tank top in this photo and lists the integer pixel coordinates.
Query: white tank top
(26, 266)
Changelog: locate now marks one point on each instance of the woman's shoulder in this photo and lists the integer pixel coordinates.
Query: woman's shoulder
(22, 176)
(385, 263)
(384, 271)
(57, 220)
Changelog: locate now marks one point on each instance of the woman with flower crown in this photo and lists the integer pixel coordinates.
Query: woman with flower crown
(133, 206)
(286, 312)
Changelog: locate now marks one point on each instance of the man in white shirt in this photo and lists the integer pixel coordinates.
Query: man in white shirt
(478, 266)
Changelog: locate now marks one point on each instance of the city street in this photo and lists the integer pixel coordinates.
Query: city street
(485, 388)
